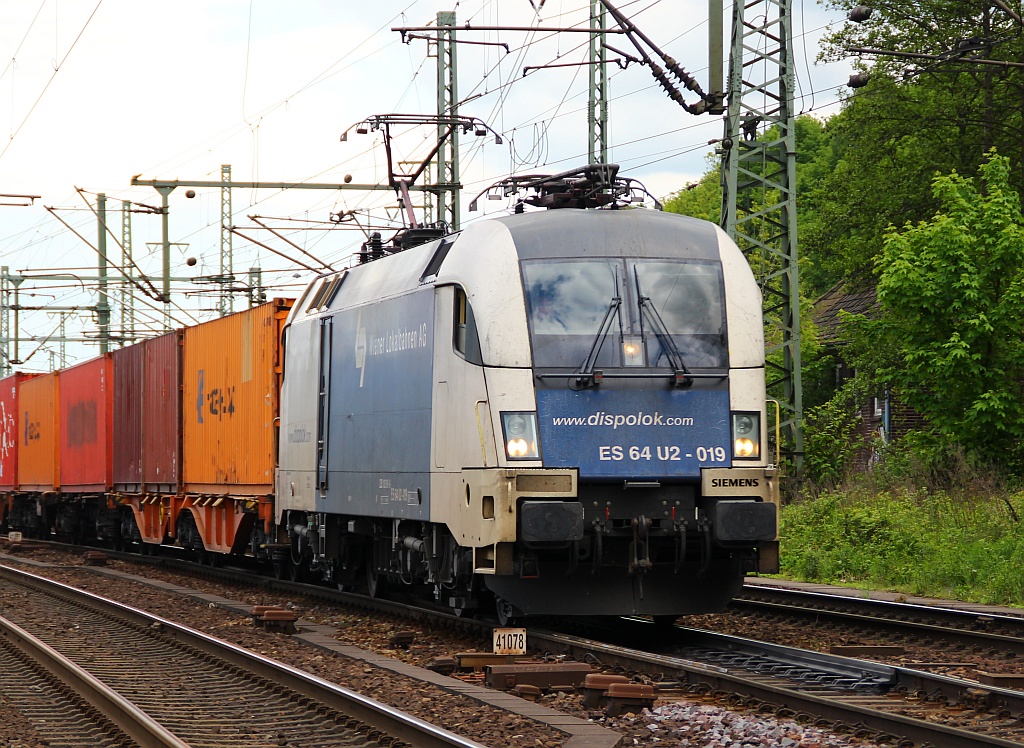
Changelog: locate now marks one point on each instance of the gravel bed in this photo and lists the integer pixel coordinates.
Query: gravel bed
(671, 723)
(15, 730)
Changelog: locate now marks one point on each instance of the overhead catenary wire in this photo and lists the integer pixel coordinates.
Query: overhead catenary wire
(545, 146)
(56, 70)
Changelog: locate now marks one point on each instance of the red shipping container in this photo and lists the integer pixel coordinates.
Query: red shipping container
(128, 406)
(9, 436)
(86, 420)
(161, 413)
(38, 427)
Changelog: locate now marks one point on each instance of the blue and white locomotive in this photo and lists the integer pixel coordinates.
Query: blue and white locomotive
(557, 412)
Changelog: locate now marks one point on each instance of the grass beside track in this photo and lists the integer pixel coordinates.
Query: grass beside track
(916, 541)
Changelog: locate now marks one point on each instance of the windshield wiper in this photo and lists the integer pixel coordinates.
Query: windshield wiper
(668, 345)
(588, 377)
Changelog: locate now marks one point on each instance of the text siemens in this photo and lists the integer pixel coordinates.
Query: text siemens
(601, 418)
(735, 483)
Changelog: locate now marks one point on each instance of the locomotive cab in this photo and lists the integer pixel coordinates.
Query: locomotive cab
(638, 476)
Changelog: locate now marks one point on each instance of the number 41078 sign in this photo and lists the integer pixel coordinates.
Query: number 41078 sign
(510, 641)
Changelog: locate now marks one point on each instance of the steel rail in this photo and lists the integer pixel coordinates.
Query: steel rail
(960, 625)
(899, 677)
(129, 718)
(691, 673)
(392, 722)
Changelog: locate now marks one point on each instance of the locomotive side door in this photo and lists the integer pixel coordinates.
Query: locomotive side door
(324, 405)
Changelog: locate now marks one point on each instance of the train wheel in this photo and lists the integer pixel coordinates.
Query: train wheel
(376, 584)
(507, 615)
(281, 568)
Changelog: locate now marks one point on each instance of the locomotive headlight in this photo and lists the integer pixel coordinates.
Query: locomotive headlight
(515, 425)
(632, 350)
(520, 431)
(746, 436)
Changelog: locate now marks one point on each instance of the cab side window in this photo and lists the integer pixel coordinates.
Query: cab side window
(466, 341)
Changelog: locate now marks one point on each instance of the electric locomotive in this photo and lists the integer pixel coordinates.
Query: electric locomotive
(554, 412)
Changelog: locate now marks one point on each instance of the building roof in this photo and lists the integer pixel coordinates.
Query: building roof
(841, 299)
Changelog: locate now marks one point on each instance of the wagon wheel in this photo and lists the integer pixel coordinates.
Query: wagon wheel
(128, 529)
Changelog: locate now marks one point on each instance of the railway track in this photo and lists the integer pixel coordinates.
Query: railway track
(896, 705)
(63, 716)
(977, 631)
(165, 685)
(900, 704)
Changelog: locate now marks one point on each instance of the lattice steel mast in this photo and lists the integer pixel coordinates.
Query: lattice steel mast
(759, 190)
(448, 211)
(597, 107)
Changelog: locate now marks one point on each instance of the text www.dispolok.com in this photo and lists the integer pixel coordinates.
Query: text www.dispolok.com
(600, 418)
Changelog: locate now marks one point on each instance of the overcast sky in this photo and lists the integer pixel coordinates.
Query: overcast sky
(93, 93)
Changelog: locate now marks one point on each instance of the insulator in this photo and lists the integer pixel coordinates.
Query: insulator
(860, 14)
(858, 80)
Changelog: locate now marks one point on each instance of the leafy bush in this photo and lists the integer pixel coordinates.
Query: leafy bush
(920, 542)
(951, 290)
(831, 441)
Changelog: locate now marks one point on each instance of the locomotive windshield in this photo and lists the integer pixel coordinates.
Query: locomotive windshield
(569, 302)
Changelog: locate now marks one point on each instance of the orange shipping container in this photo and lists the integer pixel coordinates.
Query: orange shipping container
(10, 436)
(38, 467)
(230, 373)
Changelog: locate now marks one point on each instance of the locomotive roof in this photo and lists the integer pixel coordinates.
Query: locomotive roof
(565, 232)
(484, 260)
(629, 233)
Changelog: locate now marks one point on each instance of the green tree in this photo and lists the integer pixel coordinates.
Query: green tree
(816, 158)
(914, 120)
(951, 291)
(701, 199)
